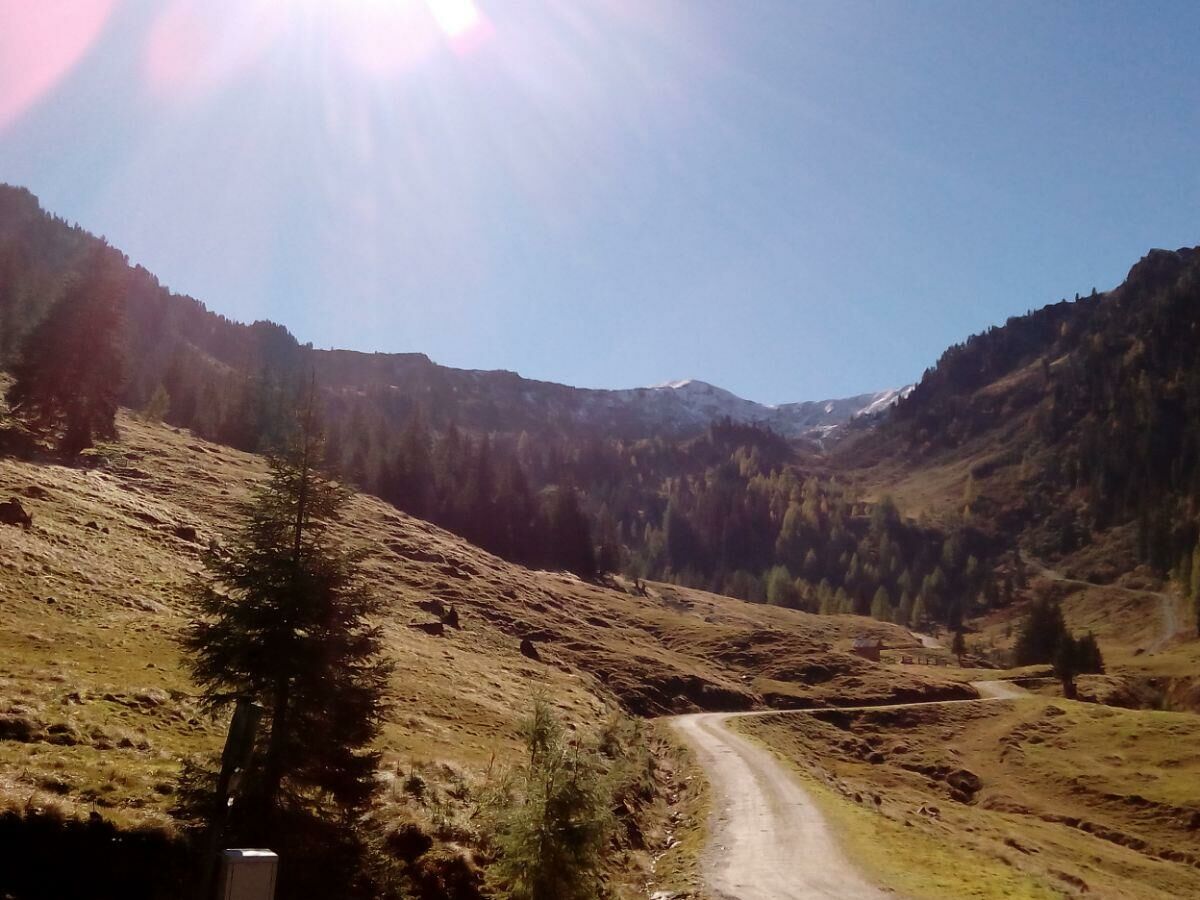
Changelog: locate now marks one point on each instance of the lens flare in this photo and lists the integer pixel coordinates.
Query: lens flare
(40, 43)
(456, 18)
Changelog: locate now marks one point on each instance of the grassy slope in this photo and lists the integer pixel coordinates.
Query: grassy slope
(1075, 798)
(96, 709)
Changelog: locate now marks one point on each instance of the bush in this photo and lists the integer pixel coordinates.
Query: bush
(549, 823)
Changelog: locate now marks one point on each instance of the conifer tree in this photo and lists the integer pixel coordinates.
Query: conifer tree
(1040, 634)
(286, 621)
(920, 616)
(570, 535)
(157, 406)
(780, 589)
(881, 605)
(69, 376)
(1066, 664)
(959, 647)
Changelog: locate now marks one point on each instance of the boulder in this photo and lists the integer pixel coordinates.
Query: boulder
(434, 607)
(436, 629)
(13, 513)
(528, 650)
(965, 782)
(185, 533)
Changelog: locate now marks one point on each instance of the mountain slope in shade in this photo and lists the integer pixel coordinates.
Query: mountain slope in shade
(211, 365)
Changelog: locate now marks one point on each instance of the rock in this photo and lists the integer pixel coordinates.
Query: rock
(35, 492)
(965, 781)
(18, 728)
(450, 617)
(408, 842)
(436, 629)
(151, 698)
(434, 607)
(528, 650)
(13, 513)
(185, 533)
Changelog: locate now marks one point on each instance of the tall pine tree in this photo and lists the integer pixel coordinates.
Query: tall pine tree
(71, 368)
(287, 621)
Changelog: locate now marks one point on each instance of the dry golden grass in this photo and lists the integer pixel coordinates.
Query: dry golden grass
(97, 710)
(1073, 798)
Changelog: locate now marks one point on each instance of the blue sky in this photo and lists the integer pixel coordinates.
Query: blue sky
(792, 200)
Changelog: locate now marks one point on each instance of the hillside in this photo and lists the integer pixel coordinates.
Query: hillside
(1023, 798)
(1063, 424)
(98, 711)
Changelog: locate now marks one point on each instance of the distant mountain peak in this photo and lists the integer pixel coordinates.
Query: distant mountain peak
(689, 403)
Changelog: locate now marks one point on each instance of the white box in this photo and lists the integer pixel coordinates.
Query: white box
(248, 875)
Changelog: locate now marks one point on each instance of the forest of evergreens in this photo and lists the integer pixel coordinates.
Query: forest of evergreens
(1105, 400)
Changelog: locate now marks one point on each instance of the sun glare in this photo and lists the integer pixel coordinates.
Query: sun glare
(456, 18)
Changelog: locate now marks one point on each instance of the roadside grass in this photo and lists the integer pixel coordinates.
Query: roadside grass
(918, 864)
(1070, 798)
(680, 868)
(98, 712)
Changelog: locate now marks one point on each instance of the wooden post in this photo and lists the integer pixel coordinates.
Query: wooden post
(239, 745)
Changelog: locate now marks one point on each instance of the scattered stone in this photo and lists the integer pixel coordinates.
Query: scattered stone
(186, 533)
(1018, 846)
(965, 781)
(408, 842)
(151, 698)
(436, 629)
(434, 607)
(528, 650)
(1073, 880)
(13, 513)
(17, 728)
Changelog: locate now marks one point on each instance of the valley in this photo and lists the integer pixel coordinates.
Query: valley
(605, 450)
(98, 712)
(813, 619)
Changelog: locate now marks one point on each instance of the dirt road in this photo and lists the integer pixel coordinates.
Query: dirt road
(1168, 604)
(767, 840)
(999, 690)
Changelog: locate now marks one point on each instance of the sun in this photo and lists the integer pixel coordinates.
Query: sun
(455, 18)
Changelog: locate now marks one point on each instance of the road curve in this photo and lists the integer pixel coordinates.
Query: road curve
(767, 840)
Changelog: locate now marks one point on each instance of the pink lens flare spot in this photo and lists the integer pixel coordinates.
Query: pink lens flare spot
(40, 43)
(191, 49)
(385, 39)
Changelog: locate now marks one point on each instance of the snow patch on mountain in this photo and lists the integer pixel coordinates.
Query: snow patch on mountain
(690, 403)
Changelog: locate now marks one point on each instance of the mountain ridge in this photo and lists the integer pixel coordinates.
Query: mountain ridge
(177, 341)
